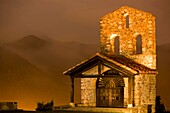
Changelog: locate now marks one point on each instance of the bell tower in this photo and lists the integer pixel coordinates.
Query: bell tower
(129, 32)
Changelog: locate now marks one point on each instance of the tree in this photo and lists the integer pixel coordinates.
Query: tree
(160, 108)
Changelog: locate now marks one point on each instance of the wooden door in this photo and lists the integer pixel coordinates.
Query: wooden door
(117, 97)
(102, 97)
(108, 95)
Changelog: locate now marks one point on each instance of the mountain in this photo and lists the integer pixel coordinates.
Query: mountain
(51, 55)
(54, 57)
(31, 42)
(23, 82)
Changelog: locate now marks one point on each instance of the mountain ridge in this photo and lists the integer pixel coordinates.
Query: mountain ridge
(20, 81)
(55, 57)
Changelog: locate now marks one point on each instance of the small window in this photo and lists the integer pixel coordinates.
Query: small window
(139, 44)
(127, 21)
(116, 45)
(117, 98)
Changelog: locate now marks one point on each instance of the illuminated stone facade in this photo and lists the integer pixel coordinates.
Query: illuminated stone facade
(126, 65)
(127, 23)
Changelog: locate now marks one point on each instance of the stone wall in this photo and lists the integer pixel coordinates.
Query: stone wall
(88, 86)
(140, 23)
(148, 60)
(145, 90)
(88, 91)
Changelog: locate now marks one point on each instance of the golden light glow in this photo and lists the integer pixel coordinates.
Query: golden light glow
(113, 36)
(126, 14)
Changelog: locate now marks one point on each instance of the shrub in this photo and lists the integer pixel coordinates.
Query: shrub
(45, 107)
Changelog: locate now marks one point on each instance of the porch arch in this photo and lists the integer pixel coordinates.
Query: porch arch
(110, 91)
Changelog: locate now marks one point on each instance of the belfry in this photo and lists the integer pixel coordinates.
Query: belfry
(123, 73)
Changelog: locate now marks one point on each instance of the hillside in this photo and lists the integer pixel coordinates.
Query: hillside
(50, 55)
(23, 82)
(54, 57)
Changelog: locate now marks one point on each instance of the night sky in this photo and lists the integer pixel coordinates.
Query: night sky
(72, 20)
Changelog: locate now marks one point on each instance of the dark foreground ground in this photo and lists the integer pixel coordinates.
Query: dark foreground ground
(73, 110)
(51, 112)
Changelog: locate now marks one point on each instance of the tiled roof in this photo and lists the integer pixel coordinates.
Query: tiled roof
(131, 64)
(118, 60)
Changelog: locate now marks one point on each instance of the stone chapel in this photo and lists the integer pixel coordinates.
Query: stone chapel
(123, 73)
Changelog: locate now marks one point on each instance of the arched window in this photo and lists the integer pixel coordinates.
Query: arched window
(127, 21)
(139, 44)
(116, 45)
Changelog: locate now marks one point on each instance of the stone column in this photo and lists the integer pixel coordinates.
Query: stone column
(72, 90)
(133, 91)
(130, 92)
(99, 74)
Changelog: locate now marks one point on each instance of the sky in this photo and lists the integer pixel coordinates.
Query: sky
(72, 20)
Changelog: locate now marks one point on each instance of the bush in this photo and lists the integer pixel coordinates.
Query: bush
(45, 107)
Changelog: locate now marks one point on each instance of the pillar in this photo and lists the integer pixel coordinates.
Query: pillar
(72, 90)
(130, 91)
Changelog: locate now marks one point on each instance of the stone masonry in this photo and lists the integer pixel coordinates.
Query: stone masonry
(140, 23)
(119, 34)
(114, 25)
